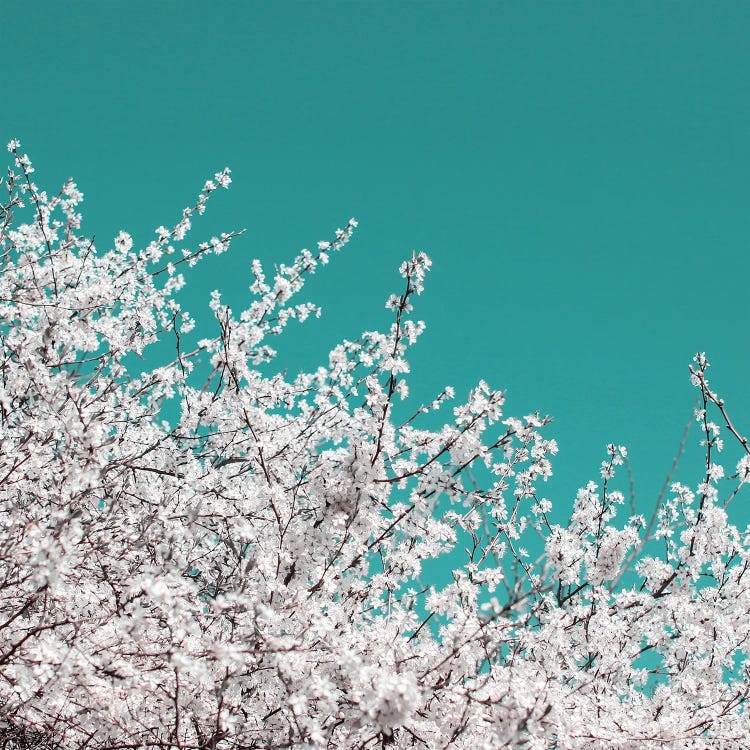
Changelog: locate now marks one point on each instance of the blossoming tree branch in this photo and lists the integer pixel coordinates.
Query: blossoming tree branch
(250, 574)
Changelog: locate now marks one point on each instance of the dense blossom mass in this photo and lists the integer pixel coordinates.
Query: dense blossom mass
(211, 555)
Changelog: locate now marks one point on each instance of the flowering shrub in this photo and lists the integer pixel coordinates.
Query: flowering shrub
(251, 575)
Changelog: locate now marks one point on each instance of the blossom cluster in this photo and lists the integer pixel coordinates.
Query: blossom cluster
(252, 574)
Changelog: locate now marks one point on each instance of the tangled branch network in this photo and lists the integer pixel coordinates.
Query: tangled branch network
(250, 574)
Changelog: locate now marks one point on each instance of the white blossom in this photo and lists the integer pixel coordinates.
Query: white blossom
(212, 554)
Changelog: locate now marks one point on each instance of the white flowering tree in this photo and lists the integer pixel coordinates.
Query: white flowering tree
(250, 575)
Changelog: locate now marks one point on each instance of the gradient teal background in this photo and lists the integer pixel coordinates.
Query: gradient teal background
(577, 171)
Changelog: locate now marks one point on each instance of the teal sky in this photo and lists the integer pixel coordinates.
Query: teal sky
(577, 171)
